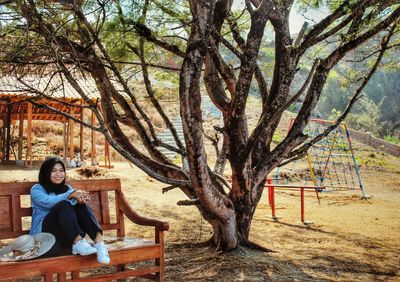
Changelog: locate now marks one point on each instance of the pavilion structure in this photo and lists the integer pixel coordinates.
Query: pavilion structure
(23, 101)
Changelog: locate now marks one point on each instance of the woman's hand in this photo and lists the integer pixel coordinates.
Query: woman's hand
(81, 196)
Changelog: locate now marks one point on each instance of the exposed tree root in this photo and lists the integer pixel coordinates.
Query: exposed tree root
(206, 243)
(255, 246)
(243, 243)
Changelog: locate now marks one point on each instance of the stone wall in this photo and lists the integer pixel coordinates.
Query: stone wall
(376, 143)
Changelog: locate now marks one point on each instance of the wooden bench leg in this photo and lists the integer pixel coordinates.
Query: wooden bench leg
(62, 277)
(160, 262)
(75, 274)
(48, 277)
(120, 267)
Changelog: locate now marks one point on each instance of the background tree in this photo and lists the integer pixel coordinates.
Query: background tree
(103, 39)
(377, 112)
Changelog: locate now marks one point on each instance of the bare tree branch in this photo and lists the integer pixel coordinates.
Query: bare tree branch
(191, 202)
(384, 44)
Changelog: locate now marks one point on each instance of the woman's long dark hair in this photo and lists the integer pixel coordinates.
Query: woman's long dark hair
(45, 174)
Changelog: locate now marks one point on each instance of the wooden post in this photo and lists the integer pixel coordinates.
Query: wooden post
(28, 161)
(3, 137)
(65, 138)
(8, 125)
(107, 162)
(302, 203)
(71, 136)
(21, 132)
(93, 149)
(81, 137)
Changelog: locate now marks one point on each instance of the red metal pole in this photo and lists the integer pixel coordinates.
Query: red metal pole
(302, 203)
(321, 120)
(273, 201)
(269, 181)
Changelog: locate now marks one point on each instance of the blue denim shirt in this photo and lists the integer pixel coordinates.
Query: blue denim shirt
(42, 203)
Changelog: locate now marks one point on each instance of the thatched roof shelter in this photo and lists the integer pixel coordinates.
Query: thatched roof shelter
(44, 98)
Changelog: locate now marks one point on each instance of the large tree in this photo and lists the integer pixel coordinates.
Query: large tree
(102, 39)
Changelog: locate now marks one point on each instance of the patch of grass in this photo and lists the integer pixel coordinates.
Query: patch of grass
(377, 160)
(392, 139)
(277, 138)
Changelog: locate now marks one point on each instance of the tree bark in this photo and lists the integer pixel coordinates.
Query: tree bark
(220, 210)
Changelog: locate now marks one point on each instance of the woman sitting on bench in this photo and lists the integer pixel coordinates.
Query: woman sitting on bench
(62, 211)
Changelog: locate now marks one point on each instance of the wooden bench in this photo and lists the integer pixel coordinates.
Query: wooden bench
(110, 206)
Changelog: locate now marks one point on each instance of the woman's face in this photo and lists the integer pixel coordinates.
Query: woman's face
(57, 175)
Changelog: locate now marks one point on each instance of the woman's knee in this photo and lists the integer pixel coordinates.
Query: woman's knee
(82, 206)
(83, 209)
(62, 205)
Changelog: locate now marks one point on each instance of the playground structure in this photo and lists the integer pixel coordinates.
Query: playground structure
(301, 188)
(330, 165)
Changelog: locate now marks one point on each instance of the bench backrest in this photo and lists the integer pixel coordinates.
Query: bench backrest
(15, 209)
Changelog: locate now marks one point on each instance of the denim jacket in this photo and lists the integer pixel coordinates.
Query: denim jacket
(42, 203)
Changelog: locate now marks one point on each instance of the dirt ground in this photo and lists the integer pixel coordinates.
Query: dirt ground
(351, 239)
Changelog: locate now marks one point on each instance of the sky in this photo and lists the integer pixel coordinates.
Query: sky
(296, 20)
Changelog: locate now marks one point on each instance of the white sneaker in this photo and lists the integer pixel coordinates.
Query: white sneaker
(83, 248)
(102, 253)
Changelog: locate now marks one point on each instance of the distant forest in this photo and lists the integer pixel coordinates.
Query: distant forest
(376, 112)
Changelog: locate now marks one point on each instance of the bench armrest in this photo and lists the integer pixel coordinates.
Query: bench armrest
(136, 218)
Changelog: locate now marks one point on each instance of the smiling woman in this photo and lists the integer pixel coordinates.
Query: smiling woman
(59, 209)
(57, 174)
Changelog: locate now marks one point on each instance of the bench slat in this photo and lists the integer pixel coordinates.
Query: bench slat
(36, 267)
(122, 274)
(105, 211)
(5, 213)
(16, 219)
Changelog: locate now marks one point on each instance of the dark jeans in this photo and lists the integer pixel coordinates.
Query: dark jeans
(65, 222)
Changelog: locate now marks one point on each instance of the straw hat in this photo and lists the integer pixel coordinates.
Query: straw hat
(27, 247)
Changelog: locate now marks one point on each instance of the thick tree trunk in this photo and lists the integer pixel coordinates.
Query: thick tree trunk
(225, 235)
(235, 232)
(216, 207)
